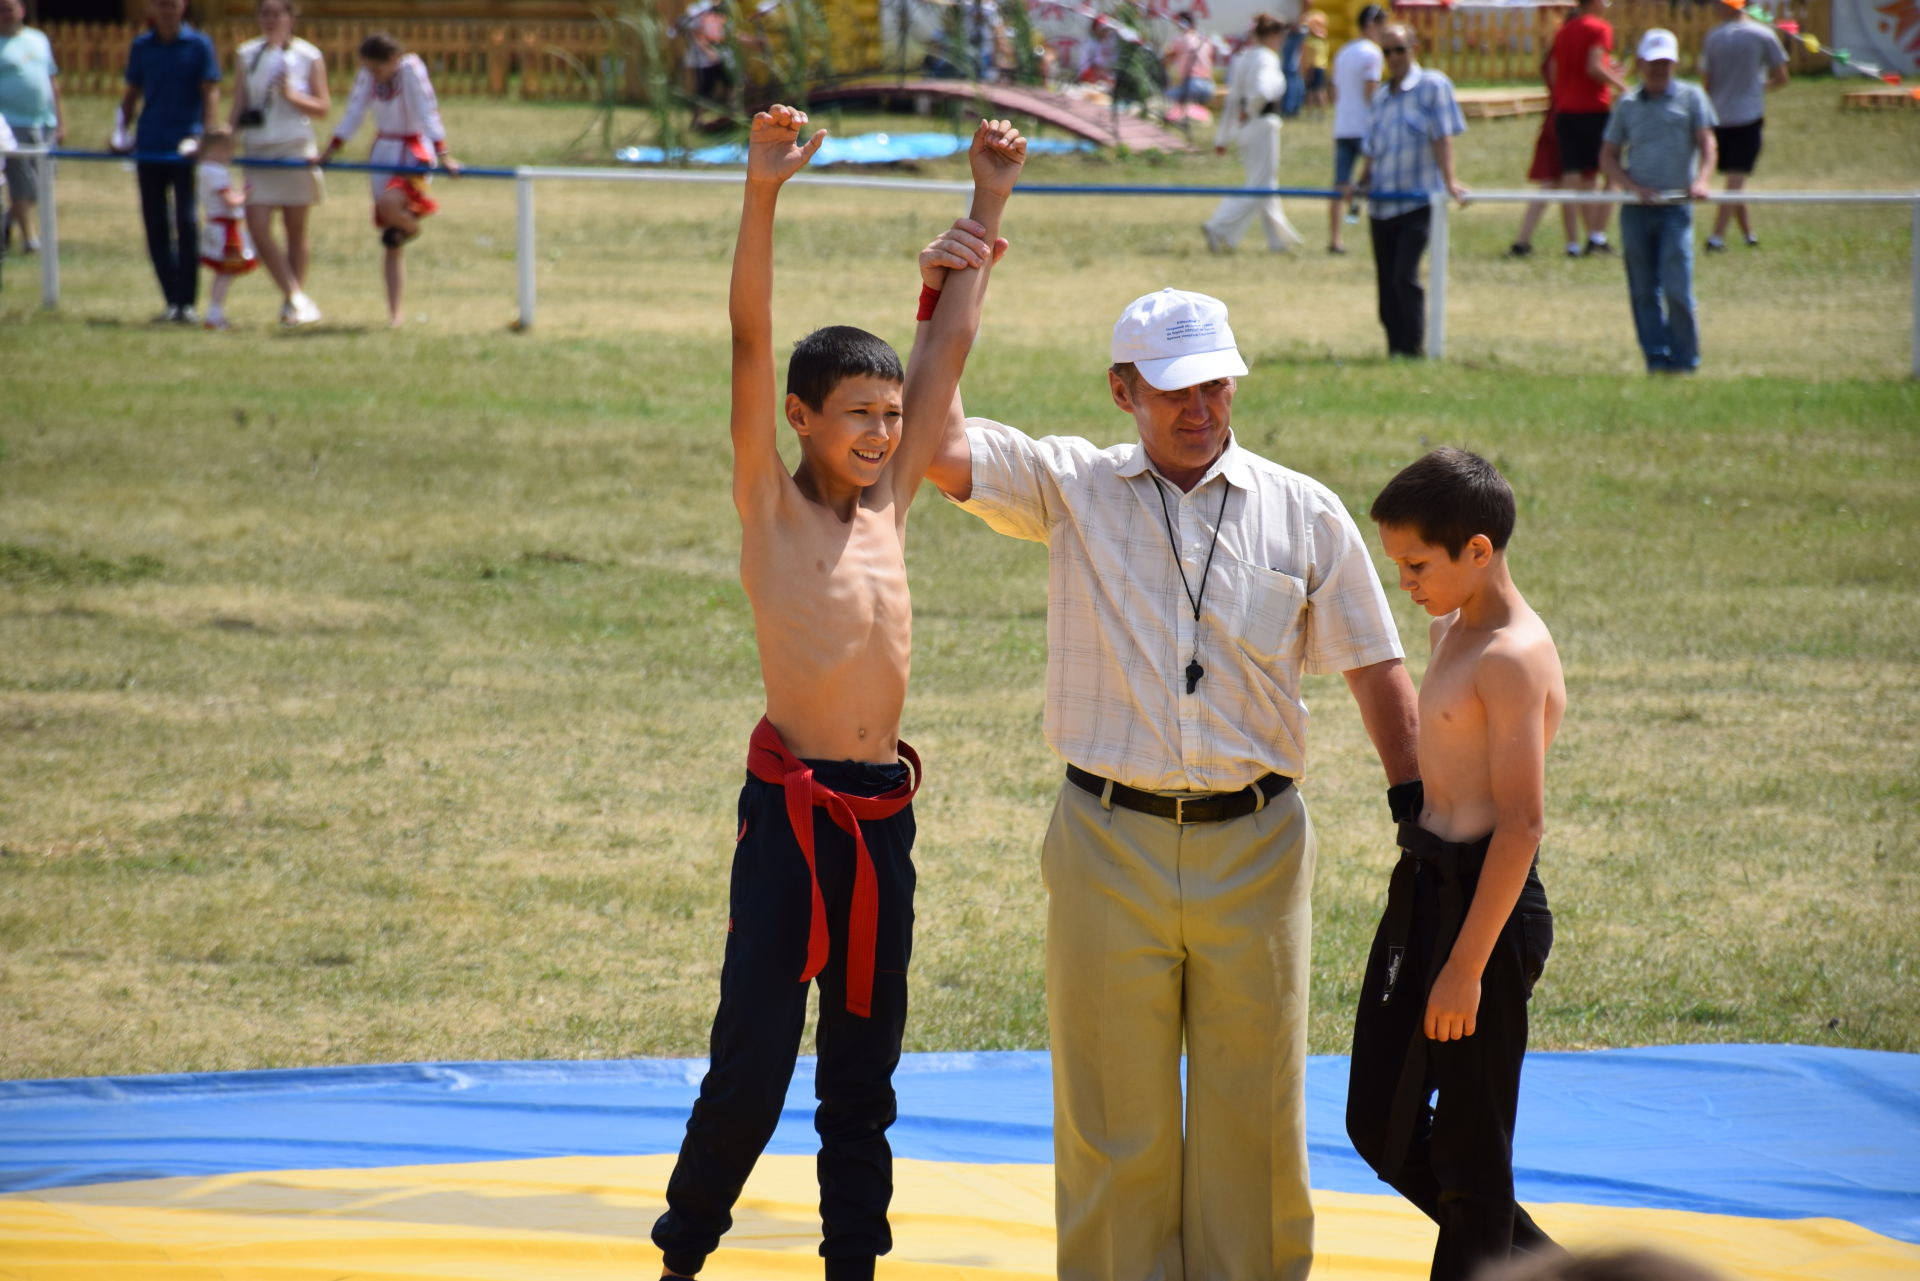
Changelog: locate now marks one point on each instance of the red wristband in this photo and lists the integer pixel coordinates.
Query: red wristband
(929, 299)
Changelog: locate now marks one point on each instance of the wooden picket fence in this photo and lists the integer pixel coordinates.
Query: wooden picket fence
(533, 60)
(545, 60)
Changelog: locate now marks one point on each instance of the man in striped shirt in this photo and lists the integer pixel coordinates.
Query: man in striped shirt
(1192, 584)
(1409, 148)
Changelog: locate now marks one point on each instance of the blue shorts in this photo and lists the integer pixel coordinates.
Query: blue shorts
(1345, 152)
(1198, 89)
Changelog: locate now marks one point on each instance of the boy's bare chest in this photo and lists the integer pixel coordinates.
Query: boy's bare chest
(831, 578)
(1449, 703)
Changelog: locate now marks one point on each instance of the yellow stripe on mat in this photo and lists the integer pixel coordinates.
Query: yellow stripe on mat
(587, 1219)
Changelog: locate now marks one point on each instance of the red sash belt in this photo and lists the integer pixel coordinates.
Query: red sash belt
(769, 761)
(413, 144)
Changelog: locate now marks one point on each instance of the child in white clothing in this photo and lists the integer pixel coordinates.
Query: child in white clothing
(406, 116)
(226, 248)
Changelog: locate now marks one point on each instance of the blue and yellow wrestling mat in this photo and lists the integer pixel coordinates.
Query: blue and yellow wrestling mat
(1763, 1161)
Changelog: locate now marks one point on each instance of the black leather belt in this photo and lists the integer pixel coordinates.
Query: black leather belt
(1197, 807)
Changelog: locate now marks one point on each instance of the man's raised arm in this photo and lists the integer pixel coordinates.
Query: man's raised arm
(774, 154)
(935, 444)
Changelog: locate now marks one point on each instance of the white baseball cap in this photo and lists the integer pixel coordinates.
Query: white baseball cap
(1659, 44)
(1177, 339)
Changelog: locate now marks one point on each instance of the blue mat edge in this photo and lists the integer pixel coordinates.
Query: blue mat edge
(1892, 1207)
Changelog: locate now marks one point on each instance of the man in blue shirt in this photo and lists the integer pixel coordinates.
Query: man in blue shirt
(1409, 147)
(176, 70)
(1664, 131)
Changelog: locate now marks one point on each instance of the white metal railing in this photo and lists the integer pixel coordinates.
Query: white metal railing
(526, 176)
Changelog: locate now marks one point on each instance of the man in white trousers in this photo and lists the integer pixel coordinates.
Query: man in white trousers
(1251, 117)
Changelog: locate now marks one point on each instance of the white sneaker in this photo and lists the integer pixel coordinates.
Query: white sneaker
(303, 311)
(286, 313)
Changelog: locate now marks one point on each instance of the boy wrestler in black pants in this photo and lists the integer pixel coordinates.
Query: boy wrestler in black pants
(822, 885)
(1443, 1009)
(863, 1000)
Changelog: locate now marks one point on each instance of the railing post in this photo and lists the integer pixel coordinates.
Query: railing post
(523, 245)
(1437, 278)
(49, 234)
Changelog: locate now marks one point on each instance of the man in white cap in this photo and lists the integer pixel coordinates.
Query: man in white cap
(1659, 145)
(1192, 583)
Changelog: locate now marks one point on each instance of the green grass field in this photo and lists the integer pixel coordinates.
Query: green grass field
(382, 696)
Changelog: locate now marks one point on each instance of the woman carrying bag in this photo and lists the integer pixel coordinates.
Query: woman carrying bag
(280, 89)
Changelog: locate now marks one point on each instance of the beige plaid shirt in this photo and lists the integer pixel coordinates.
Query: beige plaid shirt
(1291, 590)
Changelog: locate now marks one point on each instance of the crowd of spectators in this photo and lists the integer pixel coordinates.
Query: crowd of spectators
(1396, 121)
(170, 119)
(1393, 125)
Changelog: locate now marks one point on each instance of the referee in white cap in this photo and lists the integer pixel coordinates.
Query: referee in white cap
(1192, 584)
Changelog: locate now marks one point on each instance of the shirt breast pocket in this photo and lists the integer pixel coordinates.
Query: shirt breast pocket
(1267, 609)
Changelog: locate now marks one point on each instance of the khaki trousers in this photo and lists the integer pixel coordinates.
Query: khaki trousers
(1159, 935)
(1259, 143)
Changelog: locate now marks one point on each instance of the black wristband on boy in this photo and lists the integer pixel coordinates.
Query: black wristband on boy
(1406, 800)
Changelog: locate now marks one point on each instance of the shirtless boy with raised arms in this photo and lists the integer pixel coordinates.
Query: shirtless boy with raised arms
(822, 883)
(1466, 930)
